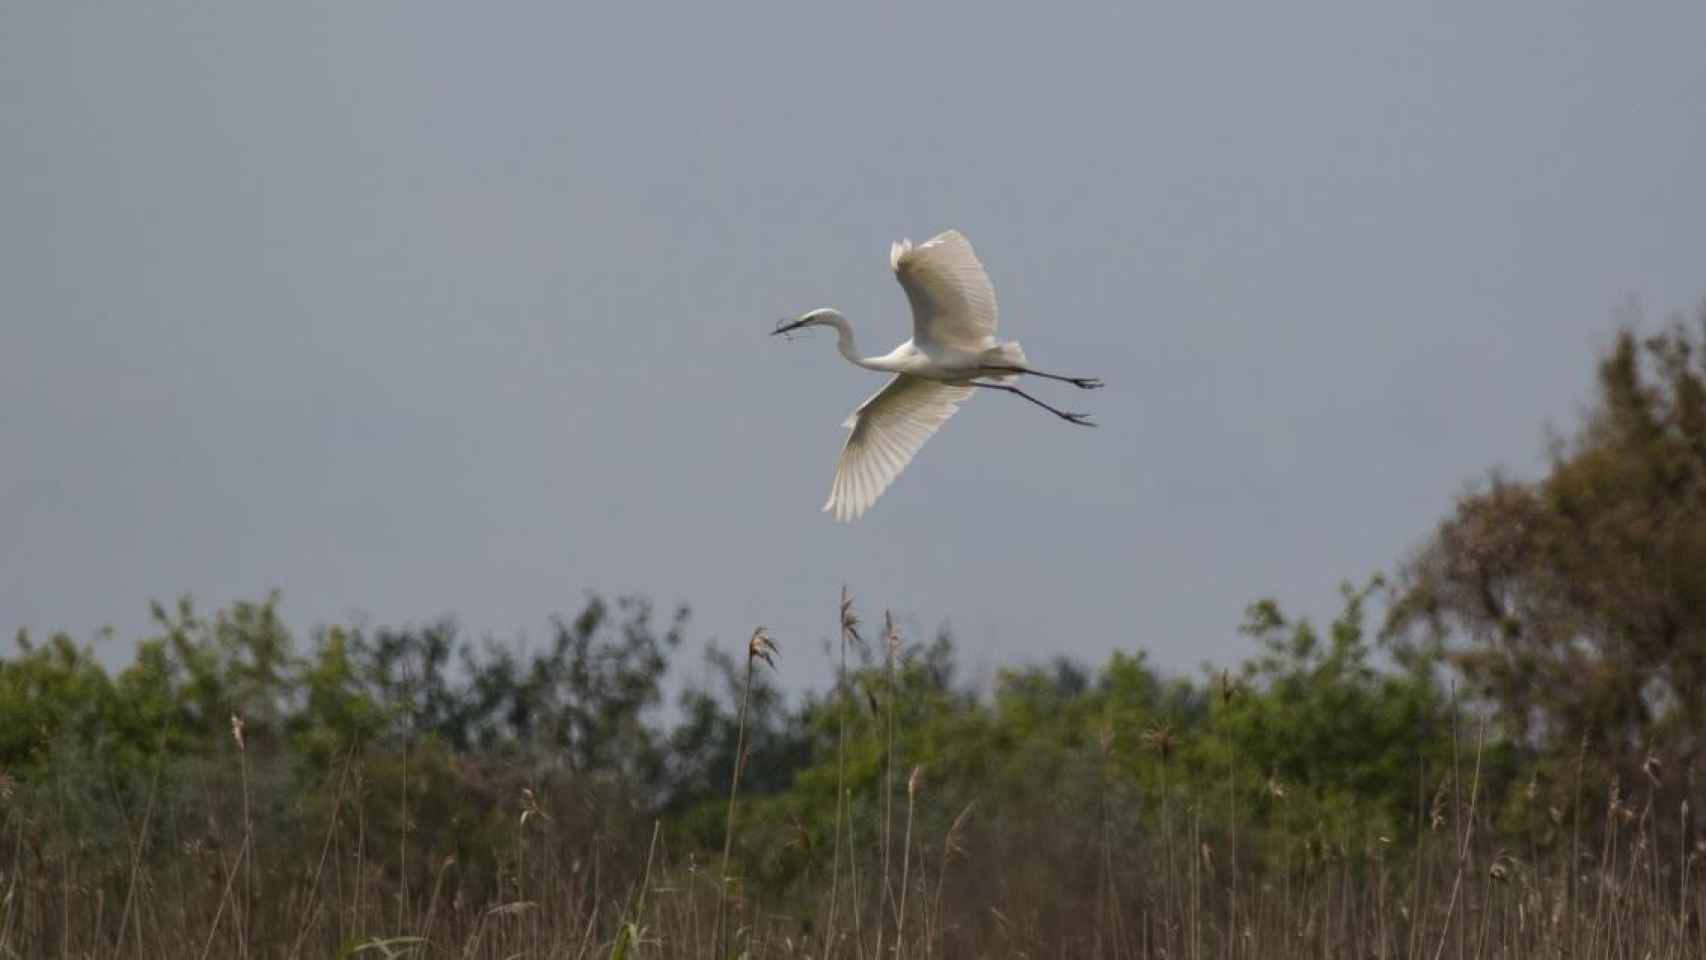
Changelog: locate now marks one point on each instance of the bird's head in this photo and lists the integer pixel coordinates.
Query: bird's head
(823, 316)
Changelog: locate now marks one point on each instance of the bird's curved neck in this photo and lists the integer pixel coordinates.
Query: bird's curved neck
(845, 340)
(844, 343)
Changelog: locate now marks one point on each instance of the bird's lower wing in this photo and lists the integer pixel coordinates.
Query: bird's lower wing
(888, 429)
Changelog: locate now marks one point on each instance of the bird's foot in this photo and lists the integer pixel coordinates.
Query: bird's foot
(1085, 383)
(1082, 419)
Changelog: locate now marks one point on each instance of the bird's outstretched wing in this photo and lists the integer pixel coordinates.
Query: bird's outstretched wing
(953, 303)
(887, 430)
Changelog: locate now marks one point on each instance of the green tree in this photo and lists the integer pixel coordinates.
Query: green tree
(1319, 717)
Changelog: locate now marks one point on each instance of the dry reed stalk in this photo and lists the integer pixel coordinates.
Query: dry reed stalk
(310, 908)
(1486, 913)
(432, 902)
(137, 847)
(891, 649)
(847, 623)
(646, 878)
(357, 914)
(1381, 923)
(951, 844)
(1573, 868)
(225, 897)
(1196, 880)
(906, 861)
(1229, 691)
(10, 901)
(244, 859)
(853, 880)
(1162, 741)
(1416, 922)
(1458, 827)
(760, 647)
(65, 862)
(245, 917)
(1607, 867)
(1682, 878)
(403, 802)
(1106, 909)
(1466, 833)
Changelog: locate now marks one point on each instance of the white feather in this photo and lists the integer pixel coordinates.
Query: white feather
(888, 429)
(953, 302)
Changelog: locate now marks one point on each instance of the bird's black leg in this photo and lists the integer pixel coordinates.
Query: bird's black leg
(1082, 419)
(1083, 383)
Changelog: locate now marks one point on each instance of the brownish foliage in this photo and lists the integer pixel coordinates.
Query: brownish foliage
(1576, 603)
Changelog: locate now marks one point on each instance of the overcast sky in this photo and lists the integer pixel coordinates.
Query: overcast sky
(412, 309)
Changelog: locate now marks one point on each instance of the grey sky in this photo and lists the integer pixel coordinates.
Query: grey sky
(420, 308)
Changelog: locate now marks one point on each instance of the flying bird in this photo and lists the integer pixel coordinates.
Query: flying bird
(952, 353)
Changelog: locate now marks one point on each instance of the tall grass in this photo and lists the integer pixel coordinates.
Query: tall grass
(240, 854)
(571, 880)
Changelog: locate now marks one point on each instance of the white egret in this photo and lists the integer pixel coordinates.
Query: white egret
(952, 352)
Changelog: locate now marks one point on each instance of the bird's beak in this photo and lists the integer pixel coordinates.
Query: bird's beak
(785, 324)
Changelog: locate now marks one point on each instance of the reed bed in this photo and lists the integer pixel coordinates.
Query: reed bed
(241, 855)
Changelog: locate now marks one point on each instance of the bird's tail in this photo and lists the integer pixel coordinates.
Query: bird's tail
(1008, 354)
